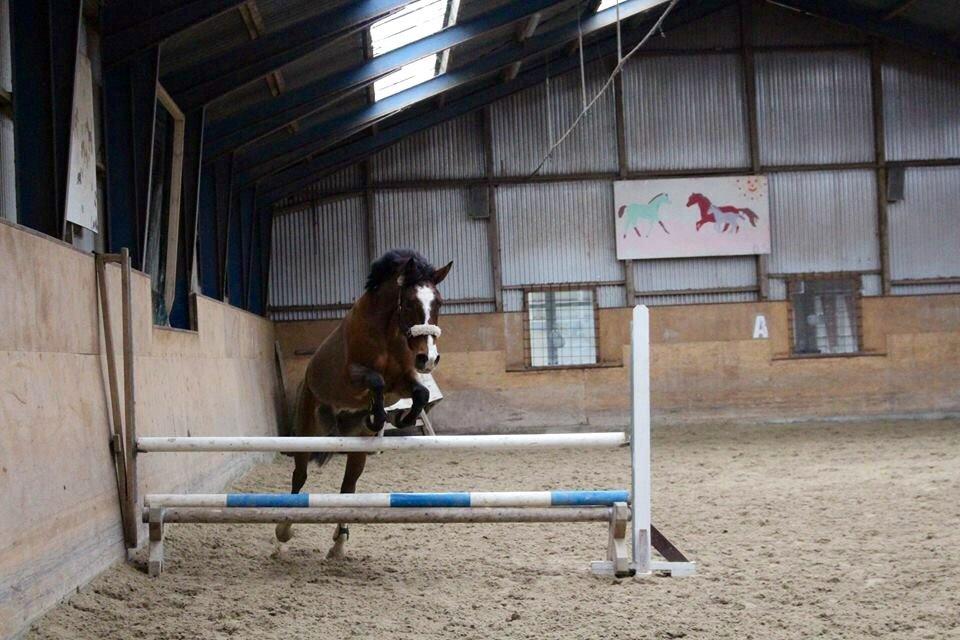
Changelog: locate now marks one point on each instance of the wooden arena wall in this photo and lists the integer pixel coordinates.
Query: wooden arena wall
(706, 366)
(59, 510)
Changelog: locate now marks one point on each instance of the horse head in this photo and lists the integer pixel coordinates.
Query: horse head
(413, 280)
(696, 198)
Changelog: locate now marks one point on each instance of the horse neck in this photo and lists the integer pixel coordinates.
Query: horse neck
(378, 309)
(702, 202)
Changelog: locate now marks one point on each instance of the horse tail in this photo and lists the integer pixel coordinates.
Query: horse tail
(621, 210)
(751, 216)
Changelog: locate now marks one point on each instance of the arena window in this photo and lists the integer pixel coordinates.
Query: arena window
(560, 327)
(825, 314)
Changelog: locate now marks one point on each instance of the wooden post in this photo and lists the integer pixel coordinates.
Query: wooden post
(129, 397)
(753, 129)
(640, 476)
(493, 225)
(117, 446)
(155, 551)
(368, 207)
(630, 287)
(880, 157)
(617, 553)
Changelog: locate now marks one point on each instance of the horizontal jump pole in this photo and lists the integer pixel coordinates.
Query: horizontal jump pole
(392, 500)
(378, 443)
(382, 515)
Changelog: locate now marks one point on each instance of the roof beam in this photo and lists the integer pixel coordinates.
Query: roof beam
(898, 9)
(295, 178)
(524, 33)
(261, 120)
(131, 27)
(895, 28)
(253, 20)
(208, 80)
(277, 153)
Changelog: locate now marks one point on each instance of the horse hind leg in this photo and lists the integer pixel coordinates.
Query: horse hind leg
(355, 464)
(284, 530)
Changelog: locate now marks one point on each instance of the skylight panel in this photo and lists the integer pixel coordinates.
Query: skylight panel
(417, 20)
(608, 4)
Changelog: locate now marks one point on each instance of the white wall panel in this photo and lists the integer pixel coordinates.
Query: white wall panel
(924, 227)
(823, 221)
(685, 112)
(527, 123)
(557, 232)
(814, 107)
(435, 223)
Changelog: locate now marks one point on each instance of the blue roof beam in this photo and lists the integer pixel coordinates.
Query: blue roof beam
(261, 120)
(131, 27)
(300, 176)
(277, 153)
(209, 80)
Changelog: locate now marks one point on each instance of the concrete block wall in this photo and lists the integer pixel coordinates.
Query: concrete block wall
(59, 508)
(706, 366)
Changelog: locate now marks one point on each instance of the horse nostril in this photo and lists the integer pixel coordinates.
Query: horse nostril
(436, 360)
(421, 361)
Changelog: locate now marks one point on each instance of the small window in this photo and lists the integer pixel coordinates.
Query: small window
(163, 221)
(825, 315)
(561, 327)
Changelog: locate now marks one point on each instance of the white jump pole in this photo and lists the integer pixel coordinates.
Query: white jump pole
(640, 437)
(379, 443)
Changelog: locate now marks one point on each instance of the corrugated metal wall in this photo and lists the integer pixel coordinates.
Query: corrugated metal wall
(921, 102)
(685, 112)
(522, 131)
(814, 107)
(650, 276)
(318, 258)
(453, 149)
(823, 221)
(557, 232)
(435, 222)
(924, 227)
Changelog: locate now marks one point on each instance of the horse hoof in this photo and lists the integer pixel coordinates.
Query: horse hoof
(335, 552)
(284, 532)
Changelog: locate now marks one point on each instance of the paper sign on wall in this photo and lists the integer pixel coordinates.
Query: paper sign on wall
(82, 179)
(760, 328)
(687, 217)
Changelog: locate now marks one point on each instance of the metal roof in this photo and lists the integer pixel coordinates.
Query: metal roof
(323, 82)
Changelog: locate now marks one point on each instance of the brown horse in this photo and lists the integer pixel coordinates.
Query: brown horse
(370, 361)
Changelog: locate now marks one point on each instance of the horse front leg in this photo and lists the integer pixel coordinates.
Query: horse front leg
(373, 382)
(355, 464)
(420, 396)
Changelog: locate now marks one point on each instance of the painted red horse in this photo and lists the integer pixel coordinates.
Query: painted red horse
(725, 218)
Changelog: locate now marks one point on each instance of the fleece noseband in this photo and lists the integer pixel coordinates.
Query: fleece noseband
(423, 330)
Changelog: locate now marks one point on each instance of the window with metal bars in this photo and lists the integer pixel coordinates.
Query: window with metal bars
(560, 326)
(825, 314)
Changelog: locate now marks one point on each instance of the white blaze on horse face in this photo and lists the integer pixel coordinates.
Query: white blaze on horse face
(426, 297)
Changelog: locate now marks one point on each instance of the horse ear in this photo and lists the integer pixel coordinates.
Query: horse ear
(442, 272)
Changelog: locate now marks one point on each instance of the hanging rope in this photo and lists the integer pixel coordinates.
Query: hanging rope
(603, 89)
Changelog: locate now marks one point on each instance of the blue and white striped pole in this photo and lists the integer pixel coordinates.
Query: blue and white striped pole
(394, 500)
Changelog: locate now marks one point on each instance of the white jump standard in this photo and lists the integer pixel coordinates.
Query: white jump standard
(617, 508)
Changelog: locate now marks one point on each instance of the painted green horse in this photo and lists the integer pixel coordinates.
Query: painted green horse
(647, 214)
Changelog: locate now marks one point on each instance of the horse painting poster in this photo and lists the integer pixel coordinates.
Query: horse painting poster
(689, 217)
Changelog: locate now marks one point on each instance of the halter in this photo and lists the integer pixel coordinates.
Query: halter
(423, 330)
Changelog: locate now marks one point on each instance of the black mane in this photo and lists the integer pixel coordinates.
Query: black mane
(418, 268)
